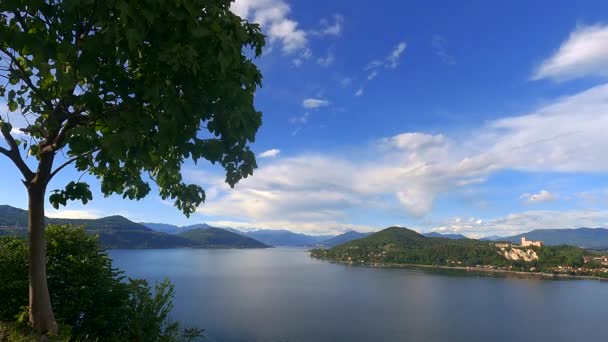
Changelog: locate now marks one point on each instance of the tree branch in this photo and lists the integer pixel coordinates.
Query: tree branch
(70, 161)
(60, 167)
(54, 144)
(14, 155)
(27, 80)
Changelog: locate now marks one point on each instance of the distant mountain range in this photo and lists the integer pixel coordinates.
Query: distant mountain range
(343, 238)
(276, 237)
(286, 238)
(173, 229)
(117, 232)
(589, 238)
(448, 236)
(221, 238)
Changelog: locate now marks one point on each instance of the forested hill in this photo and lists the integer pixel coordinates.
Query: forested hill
(402, 245)
(221, 238)
(397, 245)
(115, 232)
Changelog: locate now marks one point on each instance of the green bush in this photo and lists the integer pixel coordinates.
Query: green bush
(89, 297)
(13, 277)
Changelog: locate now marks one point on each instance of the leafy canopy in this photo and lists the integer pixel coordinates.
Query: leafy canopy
(130, 90)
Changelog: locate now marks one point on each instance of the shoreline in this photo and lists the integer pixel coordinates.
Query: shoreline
(473, 269)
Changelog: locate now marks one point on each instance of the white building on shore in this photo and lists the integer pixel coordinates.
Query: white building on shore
(527, 243)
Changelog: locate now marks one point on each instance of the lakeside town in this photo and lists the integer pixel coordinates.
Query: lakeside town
(401, 247)
(594, 265)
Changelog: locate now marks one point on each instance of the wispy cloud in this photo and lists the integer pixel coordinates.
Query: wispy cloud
(372, 75)
(540, 197)
(392, 61)
(331, 27)
(270, 153)
(312, 103)
(584, 53)
(302, 119)
(326, 60)
(440, 44)
(374, 67)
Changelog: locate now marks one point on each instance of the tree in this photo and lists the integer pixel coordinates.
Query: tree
(127, 91)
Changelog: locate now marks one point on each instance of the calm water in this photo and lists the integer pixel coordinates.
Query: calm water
(284, 295)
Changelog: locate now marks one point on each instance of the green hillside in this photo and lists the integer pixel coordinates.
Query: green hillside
(396, 245)
(402, 245)
(220, 238)
(11, 217)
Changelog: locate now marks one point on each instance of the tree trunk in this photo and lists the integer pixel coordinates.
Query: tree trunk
(41, 313)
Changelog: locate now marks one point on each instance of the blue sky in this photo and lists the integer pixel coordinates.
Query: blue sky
(473, 117)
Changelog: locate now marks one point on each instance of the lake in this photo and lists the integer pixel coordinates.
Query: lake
(281, 294)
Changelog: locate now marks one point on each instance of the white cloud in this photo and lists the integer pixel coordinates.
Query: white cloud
(331, 28)
(541, 197)
(518, 223)
(414, 168)
(439, 44)
(270, 153)
(415, 141)
(292, 38)
(392, 61)
(73, 214)
(273, 17)
(584, 53)
(327, 60)
(314, 103)
(374, 67)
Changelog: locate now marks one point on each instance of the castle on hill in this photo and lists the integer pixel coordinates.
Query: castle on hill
(527, 243)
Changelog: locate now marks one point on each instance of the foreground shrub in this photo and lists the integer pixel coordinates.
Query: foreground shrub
(89, 296)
